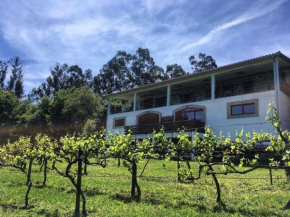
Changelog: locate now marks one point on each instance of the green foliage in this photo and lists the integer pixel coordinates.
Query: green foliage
(215, 155)
(15, 84)
(75, 106)
(205, 63)
(8, 102)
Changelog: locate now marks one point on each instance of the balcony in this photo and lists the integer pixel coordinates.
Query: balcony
(169, 127)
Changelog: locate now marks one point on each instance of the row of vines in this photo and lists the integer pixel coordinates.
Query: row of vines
(214, 154)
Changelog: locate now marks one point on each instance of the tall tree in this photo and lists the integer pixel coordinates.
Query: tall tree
(114, 75)
(61, 77)
(204, 63)
(126, 71)
(144, 69)
(15, 83)
(174, 71)
(3, 72)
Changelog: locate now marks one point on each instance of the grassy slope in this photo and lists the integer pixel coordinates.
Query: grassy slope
(162, 196)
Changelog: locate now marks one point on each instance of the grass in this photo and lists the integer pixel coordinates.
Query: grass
(108, 193)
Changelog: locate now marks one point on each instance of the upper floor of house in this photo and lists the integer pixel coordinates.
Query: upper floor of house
(269, 73)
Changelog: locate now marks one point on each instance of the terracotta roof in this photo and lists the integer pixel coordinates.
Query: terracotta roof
(260, 58)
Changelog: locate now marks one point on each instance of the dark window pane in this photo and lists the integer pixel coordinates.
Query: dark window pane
(119, 122)
(161, 101)
(189, 116)
(199, 115)
(237, 109)
(178, 116)
(249, 109)
(150, 118)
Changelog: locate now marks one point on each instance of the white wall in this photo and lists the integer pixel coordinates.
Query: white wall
(216, 114)
(284, 112)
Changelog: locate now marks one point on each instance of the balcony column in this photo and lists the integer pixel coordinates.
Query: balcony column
(168, 94)
(212, 87)
(135, 102)
(109, 107)
(276, 82)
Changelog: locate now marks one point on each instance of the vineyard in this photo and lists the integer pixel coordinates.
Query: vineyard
(116, 175)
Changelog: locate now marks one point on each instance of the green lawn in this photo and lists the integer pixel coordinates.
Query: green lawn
(108, 194)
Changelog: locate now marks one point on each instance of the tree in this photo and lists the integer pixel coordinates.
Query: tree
(78, 151)
(174, 71)
(114, 75)
(8, 102)
(20, 155)
(37, 119)
(3, 72)
(132, 152)
(126, 71)
(62, 77)
(205, 63)
(15, 83)
(144, 70)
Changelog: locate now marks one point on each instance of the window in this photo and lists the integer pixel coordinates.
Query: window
(243, 109)
(189, 114)
(120, 122)
(149, 118)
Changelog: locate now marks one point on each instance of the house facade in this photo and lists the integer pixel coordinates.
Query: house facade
(226, 99)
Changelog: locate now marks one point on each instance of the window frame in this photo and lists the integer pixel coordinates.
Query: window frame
(244, 103)
(195, 107)
(243, 108)
(193, 110)
(149, 112)
(117, 119)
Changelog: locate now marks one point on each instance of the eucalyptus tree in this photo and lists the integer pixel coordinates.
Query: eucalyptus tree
(15, 83)
(204, 63)
(3, 72)
(174, 71)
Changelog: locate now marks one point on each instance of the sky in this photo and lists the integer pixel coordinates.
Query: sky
(90, 32)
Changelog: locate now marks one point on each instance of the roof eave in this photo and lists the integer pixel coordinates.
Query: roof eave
(203, 73)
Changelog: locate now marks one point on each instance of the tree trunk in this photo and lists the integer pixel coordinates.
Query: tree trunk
(85, 170)
(27, 194)
(189, 168)
(44, 172)
(134, 180)
(29, 172)
(78, 187)
(218, 199)
(119, 161)
(287, 206)
(271, 177)
(144, 167)
(178, 167)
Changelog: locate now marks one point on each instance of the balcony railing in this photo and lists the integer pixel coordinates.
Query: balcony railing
(118, 109)
(169, 127)
(151, 103)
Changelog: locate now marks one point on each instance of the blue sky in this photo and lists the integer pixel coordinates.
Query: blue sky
(89, 33)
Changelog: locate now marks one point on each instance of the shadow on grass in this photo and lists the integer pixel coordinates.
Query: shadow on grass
(41, 186)
(221, 207)
(154, 199)
(46, 213)
(15, 206)
(125, 198)
(93, 192)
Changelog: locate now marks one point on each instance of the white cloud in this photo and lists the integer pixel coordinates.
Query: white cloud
(257, 11)
(89, 33)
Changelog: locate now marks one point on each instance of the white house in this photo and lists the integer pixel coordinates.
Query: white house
(226, 99)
